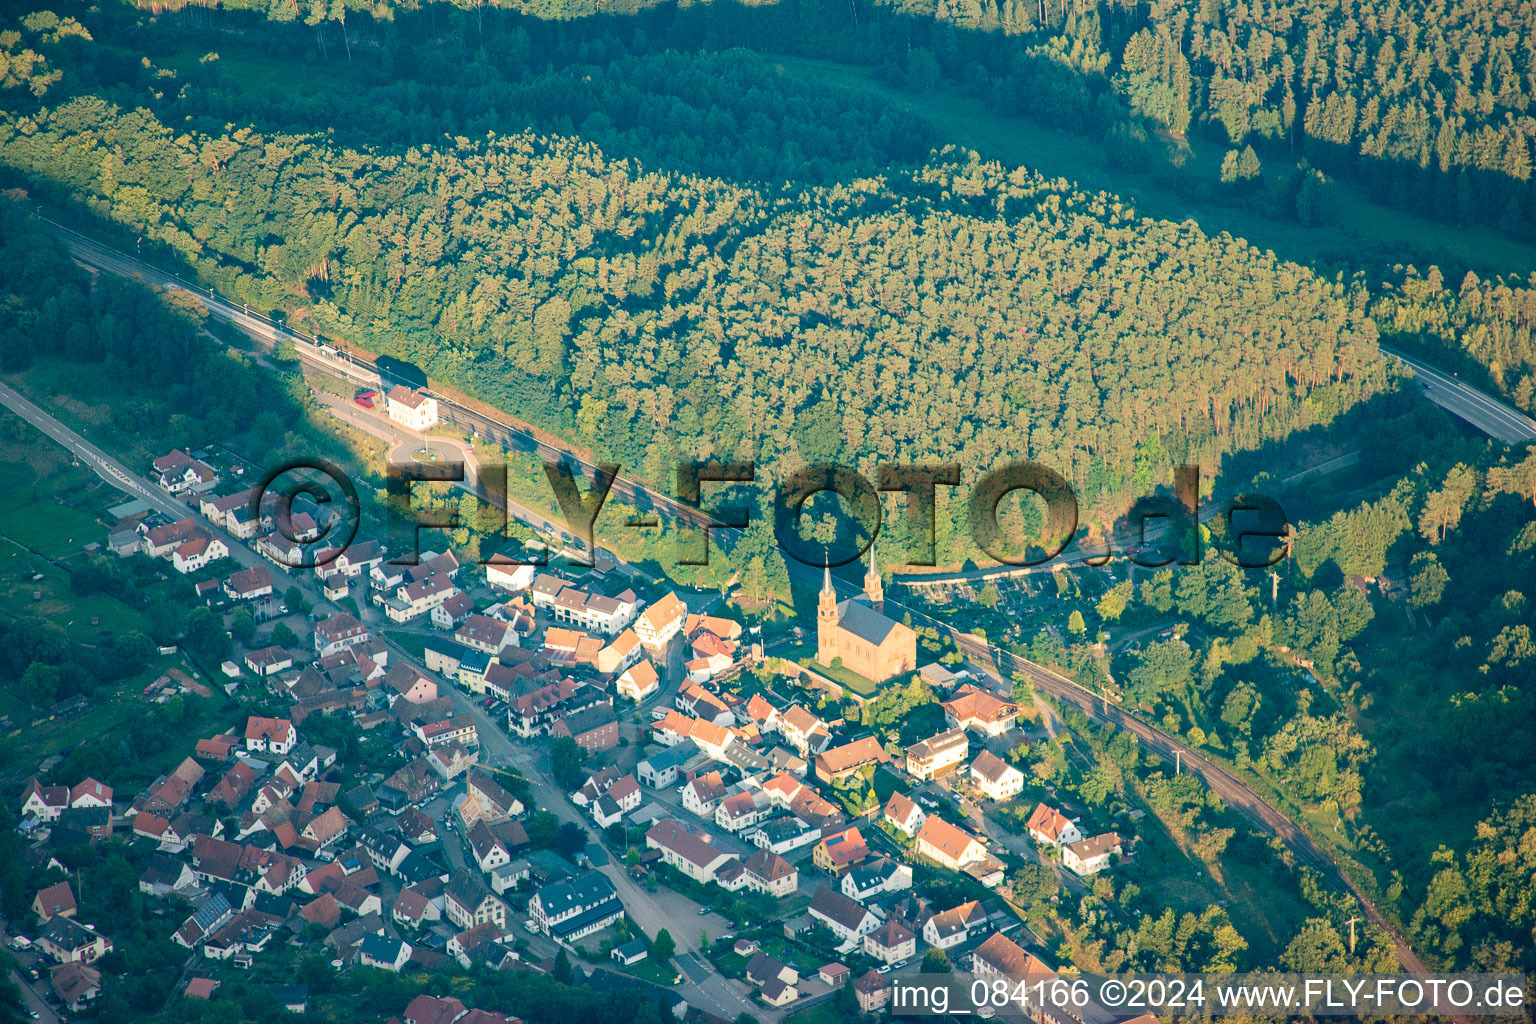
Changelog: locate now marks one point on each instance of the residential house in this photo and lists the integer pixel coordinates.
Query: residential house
(874, 878)
(980, 712)
(457, 608)
(274, 735)
(742, 810)
(938, 755)
(621, 798)
(803, 731)
(951, 847)
(767, 872)
(661, 769)
(956, 925)
(837, 853)
(639, 682)
(467, 903)
(358, 559)
(838, 763)
(66, 941)
(403, 682)
(593, 728)
(703, 793)
(339, 632)
(995, 777)
(873, 991)
(75, 985)
(903, 814)
(1001, 956)
(513, 577)
(57, 900)
(383, 952)
(762, 968)
(248, 584)
(45, 803)
(778, 993)
(485, 634)
(620, 655)
(890, 943)
(691, 853)
(784, 834)
(193, 554)
(450, 760)
(1049, 827)
(1088, 856)
(572, 909)
(269, 661)
(848, 920)
(414, 909)
(660, 622)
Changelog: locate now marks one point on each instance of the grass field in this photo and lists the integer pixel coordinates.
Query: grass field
(1364, 231)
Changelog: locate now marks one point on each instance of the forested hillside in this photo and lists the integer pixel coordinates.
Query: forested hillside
(963, 310)
(1427, 102)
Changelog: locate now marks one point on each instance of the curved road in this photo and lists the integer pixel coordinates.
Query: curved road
(1488, 415)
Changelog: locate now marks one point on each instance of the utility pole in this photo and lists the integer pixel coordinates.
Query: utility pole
(1178, 762)
(1274, 587)
(1351, 923)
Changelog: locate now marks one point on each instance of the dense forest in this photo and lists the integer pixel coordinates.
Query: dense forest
(957, 309)
(1371, 691)
(659, 252)
(1426, 102)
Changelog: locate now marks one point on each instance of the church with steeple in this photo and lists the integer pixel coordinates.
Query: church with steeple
(859, 632)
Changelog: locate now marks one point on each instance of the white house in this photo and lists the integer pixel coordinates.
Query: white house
(197, 552)
(411, 407)
(510, 577)
(661, 622)
(995, 777)
(384, 952)
(1087, 856)
(846, 919)
(693, 855)
(1049, 827)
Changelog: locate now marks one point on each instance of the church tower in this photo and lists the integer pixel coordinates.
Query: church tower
(873, 590)
(826, 620)
(826, 605)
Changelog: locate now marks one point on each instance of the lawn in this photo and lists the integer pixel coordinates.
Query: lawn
(1364, 228)
(50, 598)
(804, 655)
(35, 473)
(108, 719)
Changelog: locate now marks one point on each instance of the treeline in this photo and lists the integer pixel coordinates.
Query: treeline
(1385, 684)
(962, 310)
(1486, 326)
(1425, 102)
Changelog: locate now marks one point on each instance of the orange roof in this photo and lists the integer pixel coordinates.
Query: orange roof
(976, 705)
(1048, 821)
(946, 838)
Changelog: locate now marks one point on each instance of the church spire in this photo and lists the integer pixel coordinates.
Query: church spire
(826, 605)
(873, 589)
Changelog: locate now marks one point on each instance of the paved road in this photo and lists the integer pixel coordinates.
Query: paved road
(1229, 787)
(1079, 553)
(702, 986)
(1481, 411)
(33, 1001)
(113, 472)
(1489, 415)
